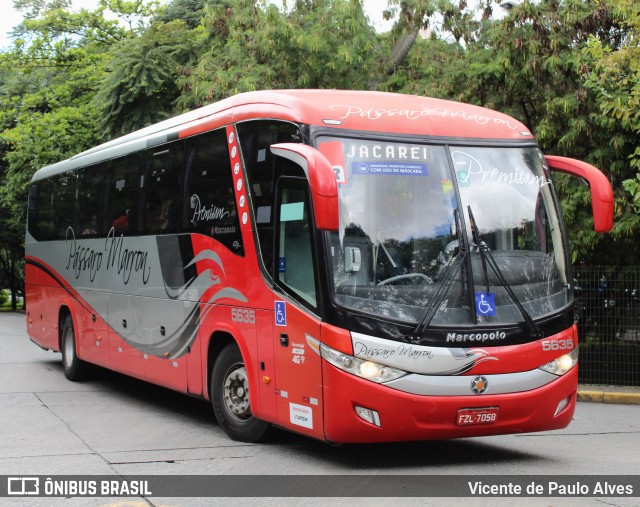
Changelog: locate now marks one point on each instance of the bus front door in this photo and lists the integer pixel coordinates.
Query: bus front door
(299, 378)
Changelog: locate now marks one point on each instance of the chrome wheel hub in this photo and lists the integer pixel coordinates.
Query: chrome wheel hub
(236, 393)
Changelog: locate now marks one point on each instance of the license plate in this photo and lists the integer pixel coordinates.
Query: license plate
(471, 416)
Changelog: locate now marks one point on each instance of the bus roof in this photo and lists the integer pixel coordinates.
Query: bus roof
(354, 110)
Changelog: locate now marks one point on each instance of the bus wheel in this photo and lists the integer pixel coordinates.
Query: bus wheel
(74, 368)
(229, 392)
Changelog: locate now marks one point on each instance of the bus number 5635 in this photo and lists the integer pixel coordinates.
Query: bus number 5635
(243, 315)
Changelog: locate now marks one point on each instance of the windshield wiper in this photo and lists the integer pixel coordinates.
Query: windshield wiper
(446, 279)
(487, 257)
(478, 242)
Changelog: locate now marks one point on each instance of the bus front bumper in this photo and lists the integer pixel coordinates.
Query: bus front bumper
(394, 415)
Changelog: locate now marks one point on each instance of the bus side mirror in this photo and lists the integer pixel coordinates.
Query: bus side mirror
(601, 191)
(321, 178)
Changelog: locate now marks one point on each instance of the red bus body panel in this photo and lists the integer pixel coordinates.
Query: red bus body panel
(409, 417)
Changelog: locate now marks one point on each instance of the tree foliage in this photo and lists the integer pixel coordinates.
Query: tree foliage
(569, 69)
(48, 79)
(249, 44)
(188, 11)
(614, 79)
(549, 64)
(141, 84)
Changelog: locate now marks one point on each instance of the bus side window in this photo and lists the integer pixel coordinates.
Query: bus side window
(208, 200)
(90, 200)
(295, 263)
(256, 137)
(40, 220)
(122, 208)
(161, 189)
(64, 198)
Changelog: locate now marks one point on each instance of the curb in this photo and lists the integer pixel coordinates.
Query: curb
(609, 397)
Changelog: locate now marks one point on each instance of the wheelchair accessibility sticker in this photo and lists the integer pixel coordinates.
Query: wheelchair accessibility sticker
(485, 304)
(280, 313)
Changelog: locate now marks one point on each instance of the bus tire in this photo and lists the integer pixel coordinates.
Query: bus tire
(74, 368)
(229, 393)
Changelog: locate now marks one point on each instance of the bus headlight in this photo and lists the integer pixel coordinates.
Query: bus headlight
(562, 364)
(369, 370)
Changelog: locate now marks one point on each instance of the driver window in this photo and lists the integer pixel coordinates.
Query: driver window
(295, 266)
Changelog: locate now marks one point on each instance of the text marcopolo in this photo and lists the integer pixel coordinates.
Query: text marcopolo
(476, 337)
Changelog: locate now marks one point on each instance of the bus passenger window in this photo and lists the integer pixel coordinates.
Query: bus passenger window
(209, 202)
(40, 221)
(122, 214)
(90, 198)
(161, 187)
(64, 198)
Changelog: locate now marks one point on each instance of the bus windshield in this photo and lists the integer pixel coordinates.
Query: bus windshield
(449, 234)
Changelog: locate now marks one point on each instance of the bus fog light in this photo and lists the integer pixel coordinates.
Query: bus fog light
(371, 416)
(562, 364)
(562, 405)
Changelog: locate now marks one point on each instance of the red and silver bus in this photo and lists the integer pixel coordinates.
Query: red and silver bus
(353, 266)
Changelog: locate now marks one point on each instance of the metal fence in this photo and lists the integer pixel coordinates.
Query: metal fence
(608, 317)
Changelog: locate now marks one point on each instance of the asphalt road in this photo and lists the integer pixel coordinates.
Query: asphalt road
(117, 426)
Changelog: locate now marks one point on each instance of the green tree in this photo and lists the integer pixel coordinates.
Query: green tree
(542, 57)
(567, 68)
(614, 79)
(189, 11)
(141, 85)
(250, 44)
(536, 63)
(47, 81)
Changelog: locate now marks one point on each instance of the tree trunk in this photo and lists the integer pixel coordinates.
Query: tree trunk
(413, 22)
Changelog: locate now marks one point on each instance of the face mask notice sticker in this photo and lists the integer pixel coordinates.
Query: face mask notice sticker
(390, 168)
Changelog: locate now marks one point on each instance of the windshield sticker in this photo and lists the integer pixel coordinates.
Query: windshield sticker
(485, 304)
(333, 151)
(463, 177)
(468, 166)
(388, 151)
(341, 177)
(389, 168)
